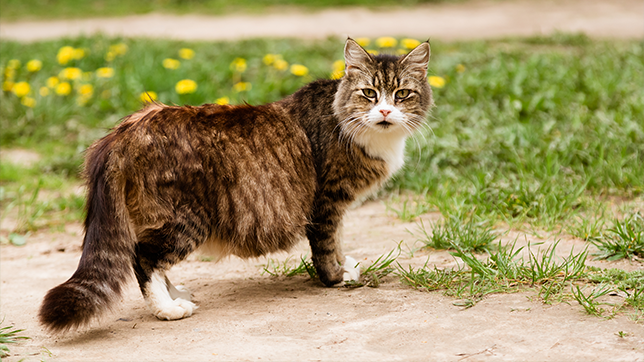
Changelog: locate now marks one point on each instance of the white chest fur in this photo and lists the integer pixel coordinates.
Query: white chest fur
(389, 147)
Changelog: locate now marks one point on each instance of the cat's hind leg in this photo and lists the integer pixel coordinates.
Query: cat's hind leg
(157, 250)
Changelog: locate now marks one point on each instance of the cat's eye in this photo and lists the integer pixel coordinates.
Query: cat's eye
(402, 94)
(369, 93)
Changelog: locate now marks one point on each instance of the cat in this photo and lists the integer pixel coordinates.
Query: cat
(239, 180)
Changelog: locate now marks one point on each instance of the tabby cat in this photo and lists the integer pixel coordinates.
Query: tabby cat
(239, 180)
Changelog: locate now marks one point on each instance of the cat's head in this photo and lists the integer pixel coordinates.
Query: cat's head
(382, 94)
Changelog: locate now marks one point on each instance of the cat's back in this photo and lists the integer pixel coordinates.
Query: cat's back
(248, 168)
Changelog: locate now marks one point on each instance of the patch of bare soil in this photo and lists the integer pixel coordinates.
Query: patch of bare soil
(244, 315)
(477, 19)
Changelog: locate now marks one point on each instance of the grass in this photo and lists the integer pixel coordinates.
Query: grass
(8, 335)
(66, 9)
(624, 240)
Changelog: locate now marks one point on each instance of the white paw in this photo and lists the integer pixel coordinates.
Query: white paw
(180, 291)
(351, 270)
(177, 309)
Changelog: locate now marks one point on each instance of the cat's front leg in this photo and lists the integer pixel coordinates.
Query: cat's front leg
(331, 265)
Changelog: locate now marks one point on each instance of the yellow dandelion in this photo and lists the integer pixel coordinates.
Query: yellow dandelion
(70, 73)
(105, 72)
(110, 56)
(222, 101)
(238, 65)
(65, 54)
(13, 64)
(7, 85)
(363, 42)
(78, 54)
(43, 91)
(186, 86)
(436, 81)
(9, 73)
(34, 65)
(170, 63)
(148, 97)
(338, 69)
(460, 68)
(401, 51)
(280, 64)
(299, 70)
(373, 52)
(28, 102)
(21, 89)
(86, 90)
(269, 59)
(118, 49)
(63, 88)
(52, 82)
(186, 53)
(242, 86)
(386, 42)
(409, 43)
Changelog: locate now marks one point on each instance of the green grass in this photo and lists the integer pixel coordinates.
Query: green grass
(65, 9)
(527, 132)
(8, 335)
(624, 240)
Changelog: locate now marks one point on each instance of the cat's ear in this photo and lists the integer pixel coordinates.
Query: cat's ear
(418, 59)
(355, 57)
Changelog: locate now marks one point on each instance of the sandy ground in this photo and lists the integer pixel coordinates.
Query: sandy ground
(468, 20)
(245, 315)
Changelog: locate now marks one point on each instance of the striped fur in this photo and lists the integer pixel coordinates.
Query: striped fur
(237, 180)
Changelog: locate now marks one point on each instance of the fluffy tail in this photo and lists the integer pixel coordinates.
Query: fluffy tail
(108, 249)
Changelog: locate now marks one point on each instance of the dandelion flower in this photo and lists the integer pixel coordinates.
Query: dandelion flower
(34, 65)
(338, 69)
(148, 97)
(9, 73)
(78, 54)
(65, 54)
(86, 90)
(63, 89)
(70, 73)
(28, 102)
(401, 51)
(299, 70)
(170, 63)
(460, 68)
(409, 43)
(186, 86)
(43, 91)
(222, 101)
(186, 53)
(436, 81)
(269, 59)
(386, 42)
(7, 85)
(118, 49)
(238, 65)
(105, 72)
(21, 89)
(363, 42)
(242, 86)
(110, 56)
(280, 64)
(13, 64)
(52, 82)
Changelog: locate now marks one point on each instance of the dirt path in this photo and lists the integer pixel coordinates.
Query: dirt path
(244, 315)
(468, 20)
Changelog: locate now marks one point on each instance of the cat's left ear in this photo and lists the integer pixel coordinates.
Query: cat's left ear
(418, 59)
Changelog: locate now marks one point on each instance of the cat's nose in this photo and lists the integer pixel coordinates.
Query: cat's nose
(385, 112)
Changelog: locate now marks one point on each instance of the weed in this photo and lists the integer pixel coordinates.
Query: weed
(459, 231)
(624, 240)
(9, 335)
(288, 269)
(372, 275)
(589, 302)
(410, 210)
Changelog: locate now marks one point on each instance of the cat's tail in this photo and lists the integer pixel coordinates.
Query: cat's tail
(108, 248)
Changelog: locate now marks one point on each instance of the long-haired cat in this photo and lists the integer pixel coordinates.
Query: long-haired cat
(239, 180)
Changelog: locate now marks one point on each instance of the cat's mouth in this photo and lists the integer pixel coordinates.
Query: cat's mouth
(384, 124)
